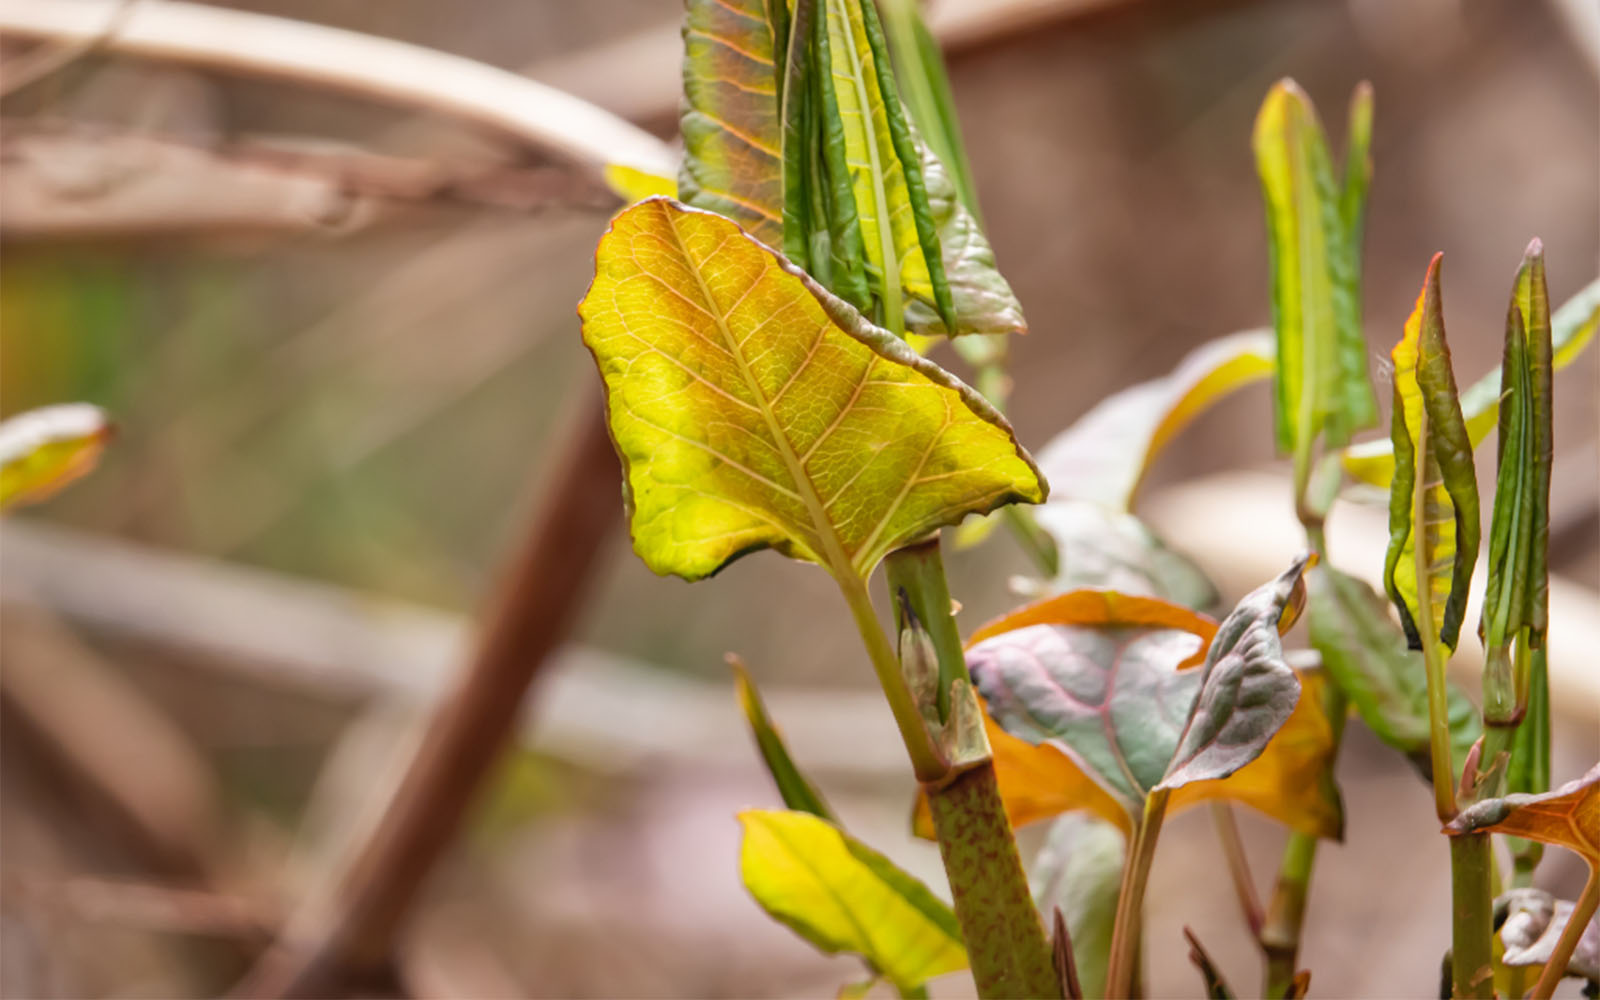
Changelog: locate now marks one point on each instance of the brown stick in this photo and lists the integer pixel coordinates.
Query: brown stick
(348, 933)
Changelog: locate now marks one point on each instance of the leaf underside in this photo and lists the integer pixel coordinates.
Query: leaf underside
(1568, 817)
(752, 409)
(843, 896)
(1079, 869)
(1534, 922)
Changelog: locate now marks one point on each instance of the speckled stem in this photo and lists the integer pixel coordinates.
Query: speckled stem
(1005, 938)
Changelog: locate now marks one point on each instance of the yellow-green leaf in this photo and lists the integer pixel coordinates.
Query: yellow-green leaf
(45, 449)
(1433, 500)
(843, 896)
(1321, 382)
(797, 791)
(753, 409)
(1572, 327)
(1104, 456)
(732, 124)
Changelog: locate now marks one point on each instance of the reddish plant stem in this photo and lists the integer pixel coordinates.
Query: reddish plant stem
(348, 933)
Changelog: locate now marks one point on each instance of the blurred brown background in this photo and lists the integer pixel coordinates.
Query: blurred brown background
(330, 424)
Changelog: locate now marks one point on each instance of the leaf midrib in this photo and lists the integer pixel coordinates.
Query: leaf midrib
(833, 547)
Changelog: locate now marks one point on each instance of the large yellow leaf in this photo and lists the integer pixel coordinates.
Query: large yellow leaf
(753, 409)
(842, 896)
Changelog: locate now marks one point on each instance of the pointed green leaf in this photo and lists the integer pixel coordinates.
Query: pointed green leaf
(1247, 689)
(798, 793)
(732, 134)
(1321, 384)
(1217, 987)
(1433, 501)
(1104, 549)
(45, 449)
(843, 896)
(919, 66)
(1105, 454)
(899, 237)
(1079, 870)
(753, 409)
(1367, 655)
(1516, 599)
(1572, 327)
(1528, 772)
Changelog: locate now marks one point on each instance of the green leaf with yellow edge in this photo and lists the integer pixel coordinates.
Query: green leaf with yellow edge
(1572, 327)
(798, 792)
(899, 236)
(1104, 455)
(732, 124)
(1079, 870)
(1568, 817)
(753, 409)
(1096, 699)
(843, 896)
(1368, 656)
(1433, 500)
(1321, 384)
(43, 450)
(1516, 598)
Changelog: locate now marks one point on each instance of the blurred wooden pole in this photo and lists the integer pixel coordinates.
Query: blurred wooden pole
(347, 931)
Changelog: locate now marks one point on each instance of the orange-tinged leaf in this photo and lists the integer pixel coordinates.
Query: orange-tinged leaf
(1567, 817)
(1104, 608)
(1290, 782)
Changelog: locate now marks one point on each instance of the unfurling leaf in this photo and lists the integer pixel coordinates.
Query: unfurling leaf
(752, 409)
(1106, 453)
(1100, 548)
(1217, 987)
(1321, 385)
(732, 127)
(1078, 873)
(45, 449)
(1247, 690)
(1568, 817)
(1572, 327)
(843, 896)
(1089, 700)
(1367, 655)
(1534, 921)
(798, 793)
(1433, 500)
(1516, 600)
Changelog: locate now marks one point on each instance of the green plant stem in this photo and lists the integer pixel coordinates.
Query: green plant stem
(917, 573)
(1035, 541)
(1125, 931)
(1006, 942)
(1244, 885)
(926, 761)
(1280, 934)
(1582, 912)
(1471, 907)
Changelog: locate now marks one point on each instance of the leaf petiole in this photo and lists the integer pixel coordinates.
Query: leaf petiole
(1126, 930)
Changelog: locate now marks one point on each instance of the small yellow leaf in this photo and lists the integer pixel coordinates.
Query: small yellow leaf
(45, 449)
